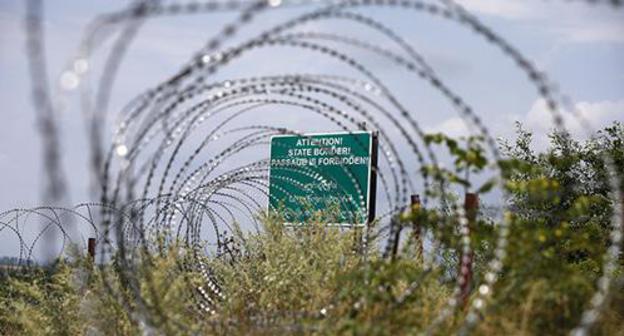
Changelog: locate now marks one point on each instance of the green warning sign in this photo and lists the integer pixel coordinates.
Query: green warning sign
(330, 172)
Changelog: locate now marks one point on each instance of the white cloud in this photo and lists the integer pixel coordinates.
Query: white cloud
(569, 22)
(595, 114)
(506, 9)
(539, 121)
(453, 127)
(609, 31)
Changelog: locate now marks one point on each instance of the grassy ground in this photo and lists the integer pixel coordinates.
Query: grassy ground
(298, 281)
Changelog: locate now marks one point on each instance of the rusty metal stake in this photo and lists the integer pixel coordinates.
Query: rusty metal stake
(471, 205)
(91, 249)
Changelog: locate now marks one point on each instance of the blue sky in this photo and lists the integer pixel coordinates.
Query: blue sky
(580, 47)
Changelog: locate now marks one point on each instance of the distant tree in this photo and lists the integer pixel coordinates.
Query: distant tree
(5, 260)
(566, 189)
(558, 206)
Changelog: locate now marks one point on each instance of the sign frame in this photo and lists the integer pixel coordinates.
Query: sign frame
(371, 191)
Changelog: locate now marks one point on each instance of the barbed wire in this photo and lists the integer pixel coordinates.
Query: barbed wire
(183, 163)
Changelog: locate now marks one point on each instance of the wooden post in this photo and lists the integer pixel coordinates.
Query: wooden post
(91, 249)
(397, 236)
(414, 205)
(471, 206)
(417, 231)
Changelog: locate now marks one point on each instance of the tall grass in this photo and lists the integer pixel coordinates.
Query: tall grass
(305, 280)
